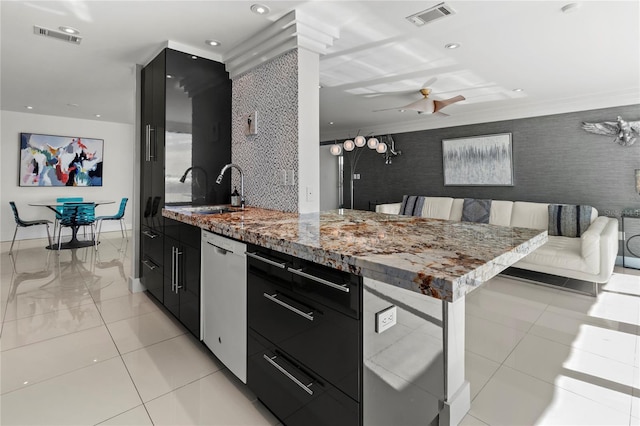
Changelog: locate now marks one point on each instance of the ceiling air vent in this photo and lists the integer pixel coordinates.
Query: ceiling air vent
(436, 12)
(56, 34)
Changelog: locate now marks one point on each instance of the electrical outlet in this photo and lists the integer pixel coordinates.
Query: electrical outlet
(356, 176)
(283, 177)
(386, 318)
(290, 177)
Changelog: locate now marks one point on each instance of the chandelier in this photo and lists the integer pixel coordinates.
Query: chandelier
(385, 146)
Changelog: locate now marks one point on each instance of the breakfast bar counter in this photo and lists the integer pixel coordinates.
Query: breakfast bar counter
(438, 258)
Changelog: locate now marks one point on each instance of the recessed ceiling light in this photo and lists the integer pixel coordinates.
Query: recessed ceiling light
(331, 123)
(69, 30)
(212, 42)
(98, 115)
(73, 105)
(570, 7)
(194, 57)
(259, 9)
(452, 45)
(402, 110)
(28, 107)
(169, 76)
(518, 90)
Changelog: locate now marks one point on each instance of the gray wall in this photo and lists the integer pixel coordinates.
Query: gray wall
(554, 160)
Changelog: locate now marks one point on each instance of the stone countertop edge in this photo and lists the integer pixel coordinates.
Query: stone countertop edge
(356, 241)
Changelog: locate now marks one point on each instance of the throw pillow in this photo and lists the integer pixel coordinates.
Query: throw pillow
(474, 210)
(566, 220)
(412, 205)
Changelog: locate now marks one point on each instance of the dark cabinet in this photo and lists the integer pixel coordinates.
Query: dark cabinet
(305, 339)
(152, 155)
(185, 141)
(152, 259)
(182, 273)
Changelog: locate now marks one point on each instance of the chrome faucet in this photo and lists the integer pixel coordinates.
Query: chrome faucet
(206, 179)
(235, 166)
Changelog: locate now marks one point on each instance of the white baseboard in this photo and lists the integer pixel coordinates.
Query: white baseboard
(135, 286)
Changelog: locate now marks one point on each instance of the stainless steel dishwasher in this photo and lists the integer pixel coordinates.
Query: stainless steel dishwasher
(224, 301)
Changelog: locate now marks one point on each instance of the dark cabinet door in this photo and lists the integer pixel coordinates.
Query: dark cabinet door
(294, 393)
(189, 287)
(182, 274)
(152, 146)
(171, 269)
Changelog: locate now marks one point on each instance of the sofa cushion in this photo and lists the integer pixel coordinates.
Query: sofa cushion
(389, 208)
(437, 207)
(412, 205)
(562, 253)
(569, 220)
(501, 212)
(476, 210)
(530, 215)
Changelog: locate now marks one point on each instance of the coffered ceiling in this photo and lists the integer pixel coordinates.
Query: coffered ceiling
(585, 58)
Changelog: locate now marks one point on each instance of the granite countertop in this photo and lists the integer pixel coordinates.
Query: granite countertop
(439, 258)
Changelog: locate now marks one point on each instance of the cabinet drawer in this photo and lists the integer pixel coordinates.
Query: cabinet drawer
(336, 289)
(151, 277)
(325, 340)
(269, 262)
(295, 394)
(152, 244)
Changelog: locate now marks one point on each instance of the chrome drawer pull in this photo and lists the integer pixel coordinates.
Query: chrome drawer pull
(341, 287)
(271, 361)
(149, 234)
(149, 264)
(265, 260)
(274, 298)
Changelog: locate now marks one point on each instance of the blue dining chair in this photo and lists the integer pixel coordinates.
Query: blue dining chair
(26, 223)
(75, 215)
(118, 216)
(59, 210)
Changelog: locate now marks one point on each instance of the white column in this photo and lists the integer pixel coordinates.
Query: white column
(308, 131)
(457, 392)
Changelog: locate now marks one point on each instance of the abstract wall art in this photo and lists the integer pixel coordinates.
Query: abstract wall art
(48, 160)
(482, 160)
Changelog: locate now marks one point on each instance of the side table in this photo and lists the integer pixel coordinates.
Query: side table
(628, 214)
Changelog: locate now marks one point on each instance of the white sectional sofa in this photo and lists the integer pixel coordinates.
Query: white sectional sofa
(590, 257)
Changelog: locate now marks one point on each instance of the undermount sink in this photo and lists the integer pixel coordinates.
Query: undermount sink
(215, 209)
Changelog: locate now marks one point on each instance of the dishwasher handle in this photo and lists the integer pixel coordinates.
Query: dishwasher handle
(219, 249)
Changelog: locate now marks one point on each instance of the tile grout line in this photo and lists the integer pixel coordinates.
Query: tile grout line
(122, 361)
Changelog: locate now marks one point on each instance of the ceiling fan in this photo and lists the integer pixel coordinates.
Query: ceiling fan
(426, 105)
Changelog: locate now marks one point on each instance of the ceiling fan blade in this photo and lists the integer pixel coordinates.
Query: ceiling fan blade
(429, 82)
(438, 105)
(388, 109)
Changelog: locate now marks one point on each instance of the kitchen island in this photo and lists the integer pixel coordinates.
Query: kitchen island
(413, 371)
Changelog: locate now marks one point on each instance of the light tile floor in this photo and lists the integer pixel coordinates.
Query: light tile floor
(78, 348)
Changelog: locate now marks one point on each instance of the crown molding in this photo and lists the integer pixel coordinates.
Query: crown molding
(292, 31)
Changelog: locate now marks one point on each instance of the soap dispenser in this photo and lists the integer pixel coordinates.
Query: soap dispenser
(235, 198)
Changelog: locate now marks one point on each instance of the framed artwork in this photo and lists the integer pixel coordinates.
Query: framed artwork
(49, 160)
(479, 160)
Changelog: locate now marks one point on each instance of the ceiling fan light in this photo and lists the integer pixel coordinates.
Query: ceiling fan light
(372, 143)
(335, 149)
(381, 148)
(360, 141)
(349, 145)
